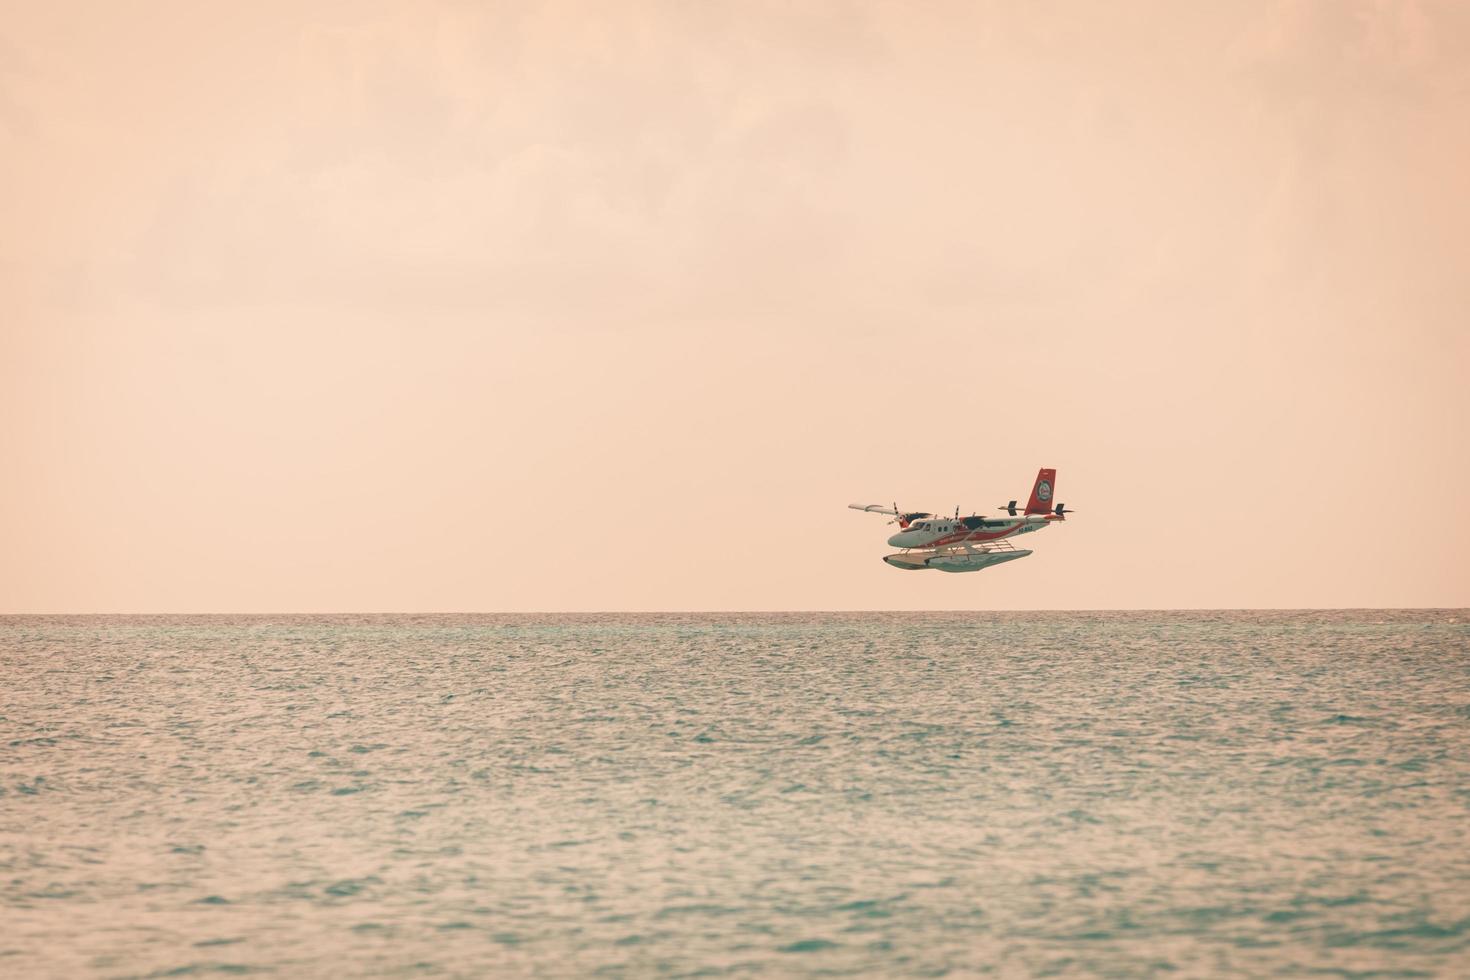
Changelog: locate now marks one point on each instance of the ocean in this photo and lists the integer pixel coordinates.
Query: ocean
(1201, 794)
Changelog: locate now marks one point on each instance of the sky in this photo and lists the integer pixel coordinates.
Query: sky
(374, 307)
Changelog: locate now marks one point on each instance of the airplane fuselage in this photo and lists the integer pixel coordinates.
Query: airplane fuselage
(945, 532)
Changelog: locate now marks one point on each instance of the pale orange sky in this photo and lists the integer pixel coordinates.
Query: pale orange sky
(422, 307)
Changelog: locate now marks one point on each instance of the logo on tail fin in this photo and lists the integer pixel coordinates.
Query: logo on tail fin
(1043, 491)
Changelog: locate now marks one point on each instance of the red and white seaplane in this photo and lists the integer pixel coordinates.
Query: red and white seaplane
(968, 544)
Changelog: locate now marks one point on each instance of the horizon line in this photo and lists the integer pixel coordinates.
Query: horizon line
(759, 612)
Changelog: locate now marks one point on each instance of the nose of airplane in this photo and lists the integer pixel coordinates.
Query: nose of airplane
(900, 540)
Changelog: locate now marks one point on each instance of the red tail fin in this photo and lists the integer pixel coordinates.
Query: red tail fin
(1042, 493)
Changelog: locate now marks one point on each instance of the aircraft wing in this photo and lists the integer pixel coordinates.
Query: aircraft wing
(874, 509)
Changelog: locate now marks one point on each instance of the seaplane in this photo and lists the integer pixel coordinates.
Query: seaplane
(968, 544)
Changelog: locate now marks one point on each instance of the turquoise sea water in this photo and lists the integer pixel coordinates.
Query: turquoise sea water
(1123, 794)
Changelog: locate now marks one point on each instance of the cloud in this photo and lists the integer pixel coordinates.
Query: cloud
(474, 159)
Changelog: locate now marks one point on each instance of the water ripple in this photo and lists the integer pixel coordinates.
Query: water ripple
(899, 795)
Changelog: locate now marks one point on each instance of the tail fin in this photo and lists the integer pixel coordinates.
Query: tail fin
(1042, 493)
